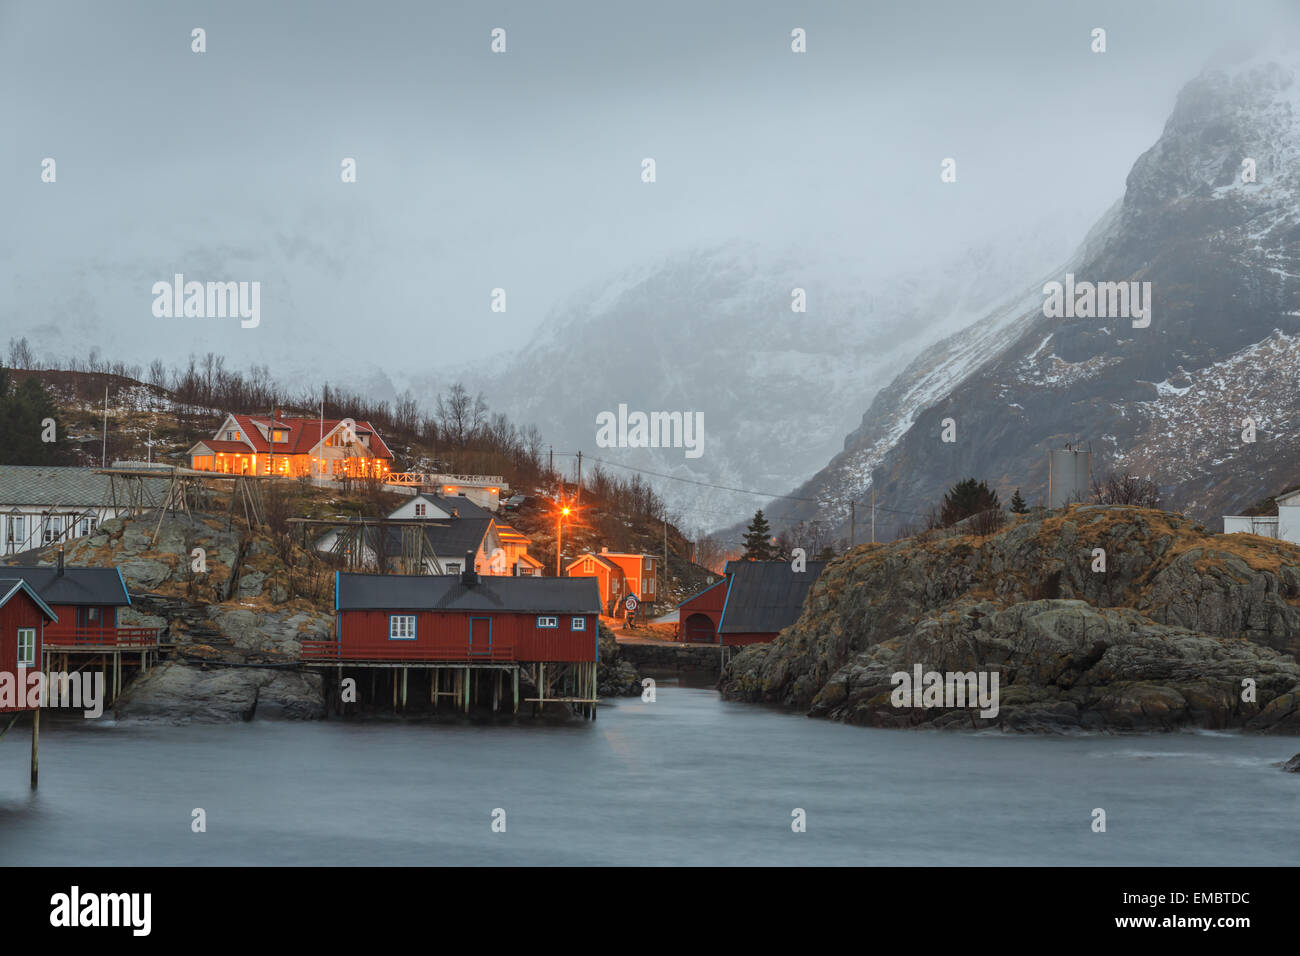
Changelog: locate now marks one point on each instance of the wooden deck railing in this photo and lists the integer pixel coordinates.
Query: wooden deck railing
(72, 636)
(332, 651)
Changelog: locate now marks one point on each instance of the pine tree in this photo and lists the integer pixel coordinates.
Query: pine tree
(758, 539)
(967, 498)
(1018, 505)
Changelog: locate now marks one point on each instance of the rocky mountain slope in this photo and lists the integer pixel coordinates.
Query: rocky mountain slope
(1167, 401)
(1162, 639)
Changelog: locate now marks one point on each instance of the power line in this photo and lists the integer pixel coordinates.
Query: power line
(743, 491)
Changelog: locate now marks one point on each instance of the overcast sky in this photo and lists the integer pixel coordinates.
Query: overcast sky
(522, 170)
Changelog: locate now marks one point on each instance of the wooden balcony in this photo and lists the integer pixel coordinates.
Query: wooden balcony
(440, 654)
(71, 637)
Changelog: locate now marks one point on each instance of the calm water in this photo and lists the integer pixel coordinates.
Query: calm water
(687, 780)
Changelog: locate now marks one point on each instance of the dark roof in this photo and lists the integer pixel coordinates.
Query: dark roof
(765, 596)
(91, 586)
(11, 586)
(64, 487)
(463, 507)
(450, 538)
(446, 592)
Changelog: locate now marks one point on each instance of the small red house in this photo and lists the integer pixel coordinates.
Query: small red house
(763, 599)
(86, 602)
(22, 626)
(465, 617)
(700, 616)
(618, 574)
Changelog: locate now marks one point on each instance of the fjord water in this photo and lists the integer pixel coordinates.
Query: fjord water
(689, 779)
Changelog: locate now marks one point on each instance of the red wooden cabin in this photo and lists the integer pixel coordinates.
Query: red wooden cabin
(700, 616)
(763, 599)
(23, 616)
(461, 618)
(86, 601)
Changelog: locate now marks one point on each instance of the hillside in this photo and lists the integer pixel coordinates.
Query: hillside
(1163, 638)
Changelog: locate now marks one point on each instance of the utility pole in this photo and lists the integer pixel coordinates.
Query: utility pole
(550, 460)
(579, 474)
(665, 574)
(873, 514)
(103, 456)
(853, 523)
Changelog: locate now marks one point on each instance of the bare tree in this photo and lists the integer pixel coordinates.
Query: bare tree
(1117, 489)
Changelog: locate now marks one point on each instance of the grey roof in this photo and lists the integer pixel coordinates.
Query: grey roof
(89, 586)
(765, 597)
(451, 538)
(446, 592)
(51, 485)
(11, 586)
(463, 507)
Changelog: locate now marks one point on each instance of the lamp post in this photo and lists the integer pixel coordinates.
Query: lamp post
(559, 518)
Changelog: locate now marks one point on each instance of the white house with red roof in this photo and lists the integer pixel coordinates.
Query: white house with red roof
(283, 445)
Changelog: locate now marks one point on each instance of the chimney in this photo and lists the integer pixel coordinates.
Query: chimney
(60, 560)
(469, 577)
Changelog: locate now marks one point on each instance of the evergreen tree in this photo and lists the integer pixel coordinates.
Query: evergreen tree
(1018, 505)
(23, 411)
(967, 498)
(758, 539)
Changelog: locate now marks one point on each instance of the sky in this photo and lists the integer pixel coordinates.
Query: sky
(522, 170)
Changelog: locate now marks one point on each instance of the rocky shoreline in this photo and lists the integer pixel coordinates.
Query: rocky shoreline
(1182, 629)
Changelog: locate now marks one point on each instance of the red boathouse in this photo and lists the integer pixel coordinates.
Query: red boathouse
(457, 629)
(699, 617)
(22, 627)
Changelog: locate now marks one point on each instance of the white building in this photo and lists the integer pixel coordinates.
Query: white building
(1285, 525)
(44, 504)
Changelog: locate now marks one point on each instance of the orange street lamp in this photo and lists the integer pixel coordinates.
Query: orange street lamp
(559, 518)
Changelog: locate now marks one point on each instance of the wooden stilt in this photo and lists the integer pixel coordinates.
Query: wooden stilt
(516, 682)
(496, 691)
(36, 743)
(466, 682)
(406, 671)
(394, 692)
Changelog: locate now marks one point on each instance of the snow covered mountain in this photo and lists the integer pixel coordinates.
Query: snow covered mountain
(713, 331)
(1168, 401)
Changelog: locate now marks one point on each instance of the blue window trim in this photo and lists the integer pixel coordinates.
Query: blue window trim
(415, 627)
(578, 623)
(548, 617)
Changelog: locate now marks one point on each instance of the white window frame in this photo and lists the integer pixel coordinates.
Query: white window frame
(546, 621)
(420, 509)
(453, 567)
(51, 529)
(30, 634)
(578, 624)
(397, 631)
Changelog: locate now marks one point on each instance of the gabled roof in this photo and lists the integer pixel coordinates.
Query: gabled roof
(446, 592)
(600, 560)
(49, 486)
(765, 597)
(462, 507)
(75, 586)
(304, 434)
(450, 538)
(11, 586)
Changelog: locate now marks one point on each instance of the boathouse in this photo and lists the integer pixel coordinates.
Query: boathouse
(699, 616)
(86, 602)
(763, 598)
(456, 630)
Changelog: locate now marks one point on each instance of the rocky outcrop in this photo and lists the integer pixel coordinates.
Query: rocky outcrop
(181, 692)
(616, 675)
(1181, 628)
